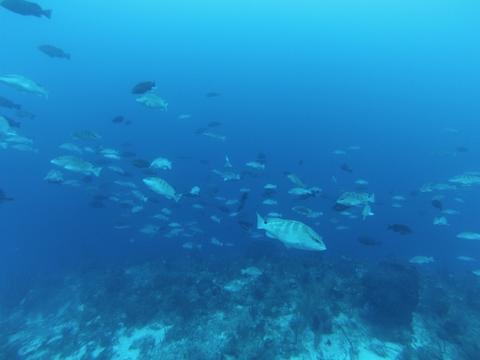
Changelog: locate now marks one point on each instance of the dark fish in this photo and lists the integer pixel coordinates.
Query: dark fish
(96, 204)
(200, 131)
(25, 114)
(245, 225)
(4, 197)
(261, 158)
(213, 124)
(212, 94)
(345, 167)
(368, 241)
(140, 163)
(54, 52)
(6, 103)
(268, 193)
(118, 119)
(339, 207)
(437, 204)
(143, 87)
(242, 201)
(300, 162)
(400, 229)
(462, 149)
(24, 7)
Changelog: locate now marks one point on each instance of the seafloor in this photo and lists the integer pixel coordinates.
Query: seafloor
(254, 307)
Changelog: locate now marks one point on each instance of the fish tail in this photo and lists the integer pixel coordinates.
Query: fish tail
(97, 171)
(178, 197)
(47, 13)
(260, 222)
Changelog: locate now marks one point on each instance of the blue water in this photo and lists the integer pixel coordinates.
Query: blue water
(296, 81)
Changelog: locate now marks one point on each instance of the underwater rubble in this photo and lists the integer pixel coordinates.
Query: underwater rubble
(247, 308)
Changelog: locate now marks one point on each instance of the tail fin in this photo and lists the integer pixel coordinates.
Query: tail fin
(178, 197)
(260, 222)
(68, 56)
(47, 13)
(372, 198)
(97, 171)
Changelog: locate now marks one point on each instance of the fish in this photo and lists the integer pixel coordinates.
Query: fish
(400, 229)
(441, 220)
(294, 179)
(161, 187)
(118, 119)
(9, 104)
(420, 260)
(152, 101)
(24, 84)
(4, 197)
(345, 167)
(26, 8)
(368, 241)
(143, 87)
(75, 164)
(292, 233)
(141, 164)
(161, 163)
(54, 177)
(467, 179)
(468, 235)
(355, 199)
(54, 52)
(213, 124)
(86, 135)
(212, 94)
(437, 204)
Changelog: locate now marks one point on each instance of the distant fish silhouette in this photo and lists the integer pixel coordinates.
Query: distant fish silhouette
(437, 204)
(25, 8)
(143, 87)
(54, 52)
(400, 229)
(212, 94)
(118, 119)
(345, 167)
(4, 197)
(6, 103)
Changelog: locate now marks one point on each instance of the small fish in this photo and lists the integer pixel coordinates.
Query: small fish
(54, 52)
(141, 164)
(9, 104)
(143, 87)
(213, 124)
(368, 241)
(26, 8)
(345, 167)
(400, 229)
(437, 204)
(118, 119)
(4, 197)
(212, 94)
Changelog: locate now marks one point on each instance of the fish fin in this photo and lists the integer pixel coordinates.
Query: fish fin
(271, 236)
(97, 171)
(372, 198)
(178, 197)
(47, 13)
(260, 222)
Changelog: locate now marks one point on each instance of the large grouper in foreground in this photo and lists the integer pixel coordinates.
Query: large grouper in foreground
(292, 233)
